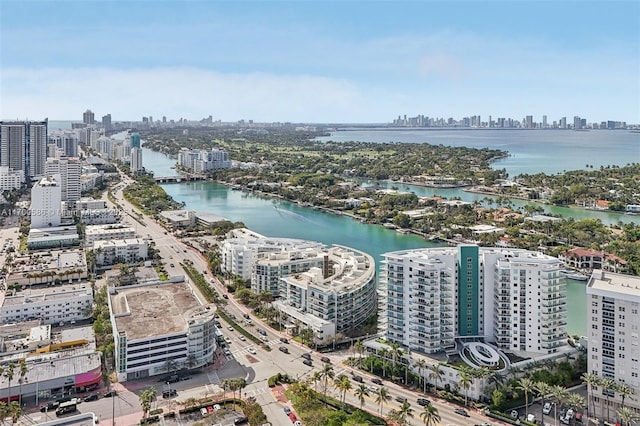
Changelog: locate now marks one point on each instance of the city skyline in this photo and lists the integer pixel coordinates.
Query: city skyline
(304, 62)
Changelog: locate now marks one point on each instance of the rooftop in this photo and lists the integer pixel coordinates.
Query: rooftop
(626, 286)
(144, 311)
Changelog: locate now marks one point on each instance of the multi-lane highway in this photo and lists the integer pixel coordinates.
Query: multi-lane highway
(251, 361)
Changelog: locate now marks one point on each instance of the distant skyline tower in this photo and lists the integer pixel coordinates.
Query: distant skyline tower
(544, 122)
(88, 117)
(563, 123)
(576, 122)
(37, 140)
(136, 160)
(106, 121)
(135, 140)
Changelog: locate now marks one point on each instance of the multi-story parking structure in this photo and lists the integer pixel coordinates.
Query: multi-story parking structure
(159, 328)
(511, 297)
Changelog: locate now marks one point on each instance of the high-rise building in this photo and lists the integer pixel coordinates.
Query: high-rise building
(69, 170)
(544, 122)
(46, 202)
(577, 123)
(136, 160)
(563, 123)
(88, 117)
(106, 121)
(23, 147)
(613, 301)
(513, 298)
(135, 140)
(529, 122)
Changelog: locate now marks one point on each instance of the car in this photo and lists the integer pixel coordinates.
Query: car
(217, 407)
(110, 394)
(461, 412)
(531, 418)
(569, 415)
(547, 408)
(242, 338)
(174, 378)
(326, 360)
(376, 381)
(248, 321)
(230, 328)
(287, 410)
(283, 349)
(227, 352)
(284, 340)
(306, 356)
(240, 420)
(224, 296)
(185, 377)
(49, 406)
(293, 418)
(423, 401)
(251, 350)
(357, 378)
(263, 332)
(307, 362)
(227, 339)
(514, 414)
(169, 393)
(373, 389)
(401, 399)
(217, 323)
(264, 338)
(92, 397)
(245, 316)
(297, 423)
(578, 417)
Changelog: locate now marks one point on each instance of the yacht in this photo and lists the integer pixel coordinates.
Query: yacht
(577, 276)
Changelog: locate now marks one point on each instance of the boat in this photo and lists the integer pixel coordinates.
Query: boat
(577, 277)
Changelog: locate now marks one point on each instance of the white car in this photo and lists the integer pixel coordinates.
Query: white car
(242, 338)
(373, 389)
(251, 350)
(547, 408)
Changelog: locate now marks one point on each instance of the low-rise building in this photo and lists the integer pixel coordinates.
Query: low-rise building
(178, 218)
(100, 217)
(51, 267)
(51, 305)
(109, 232)
(56, 237)
(159, 328)
(128, 250)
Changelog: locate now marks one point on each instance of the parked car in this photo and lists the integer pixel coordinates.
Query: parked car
(227, 352)
(111, 394)
(283, 349)
(92, 397)
(531, 418)
(376, 381)
(307, 362)
(287, 410)
(49, 406)
(547, 408)
(326, 360)
(514, 414)
(423, 401)
(240, 421)
(169, 393)
(461, 412)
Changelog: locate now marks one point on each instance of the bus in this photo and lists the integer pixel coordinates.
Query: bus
(67, 407)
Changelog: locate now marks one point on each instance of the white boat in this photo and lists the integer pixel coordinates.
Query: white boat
(577, 277)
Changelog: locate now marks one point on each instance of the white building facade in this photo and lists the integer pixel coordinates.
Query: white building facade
(9, 179)
(613, 327)
(108, 232)
(69, 170)
(513, 298)
(52, 307)
(120, 251)
(46, 203)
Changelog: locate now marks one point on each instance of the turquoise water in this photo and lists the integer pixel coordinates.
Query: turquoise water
(283, 219)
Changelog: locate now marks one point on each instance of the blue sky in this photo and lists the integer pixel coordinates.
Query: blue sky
(330, 61)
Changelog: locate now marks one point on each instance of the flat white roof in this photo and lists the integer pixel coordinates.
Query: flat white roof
(622, 286)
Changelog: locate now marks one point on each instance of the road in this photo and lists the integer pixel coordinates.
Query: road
(259, 367)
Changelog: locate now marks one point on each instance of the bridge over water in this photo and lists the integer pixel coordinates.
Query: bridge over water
(179, 178)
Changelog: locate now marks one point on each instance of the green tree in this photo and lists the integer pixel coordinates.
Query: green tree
(591, 380)
(326, 374)
(436, 374)
(627, 416)
(430, 415)
(526, 385)
(465, 380)
(361, 392)
(624, 390)
(421, 364)
(382, 397)
(343, 384)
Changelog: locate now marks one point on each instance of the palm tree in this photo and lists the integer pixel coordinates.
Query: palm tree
(575, 401)
(465, 381)
(384, 353)
(482, 373)
(526, 385)
(404, 412)
(23, 372)
(358, 347)
(542, 389)
(421, 364)
(146, 398)
(382, 397)
(326, 374)
(436, 374)
(430, 415)
(342, 384)
(4, 411)
(396, 352)
(15, 411)
(559, 394)
(627, 416)
(8, 373)
(591, 380)
(315, 378)
(624, 390)
(607, 386)
(361, 392)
